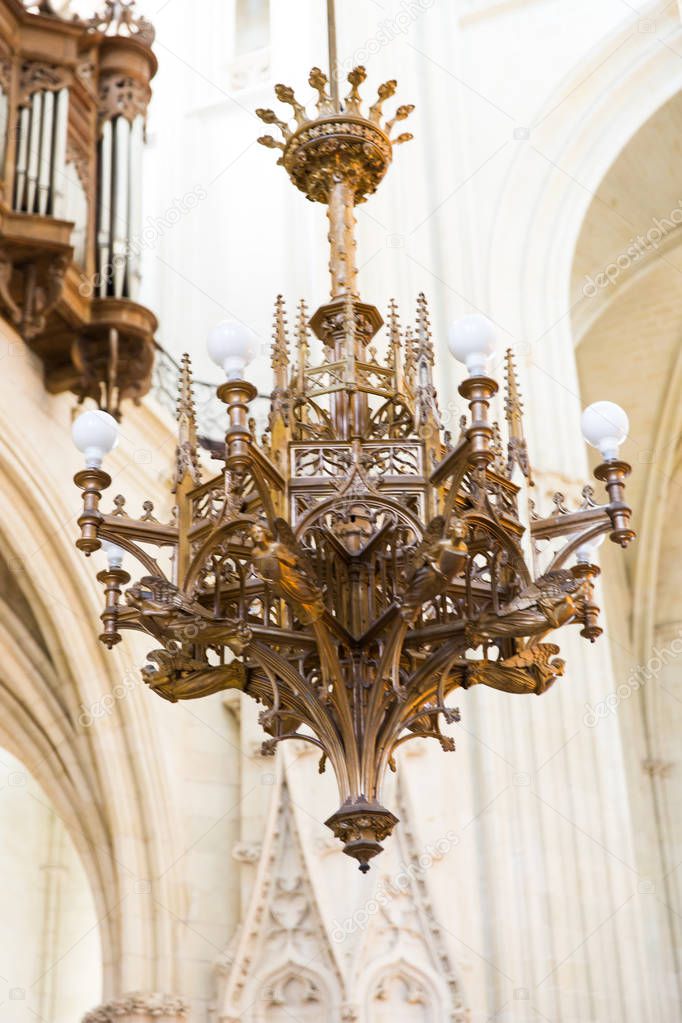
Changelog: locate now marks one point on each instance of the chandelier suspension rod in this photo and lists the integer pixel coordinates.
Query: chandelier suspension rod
(333, 54)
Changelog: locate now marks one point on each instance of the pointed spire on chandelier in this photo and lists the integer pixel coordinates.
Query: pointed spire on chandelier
(517, 450)
(186, 464)
(279, 353)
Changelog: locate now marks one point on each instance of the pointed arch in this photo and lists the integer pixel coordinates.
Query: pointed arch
(103, 777)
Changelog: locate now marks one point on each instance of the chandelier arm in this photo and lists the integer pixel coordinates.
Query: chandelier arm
(388, 666)
(143, 530)
(259, 688)
(334, 676)
(263, 491)
(444, 690)
(319, 718)
(419, 735)
(431, 712)
(577, 540)
(435, 689)
(497, 530)
(212, 542)
(124, 541)
(460, 465)
(270, 743)
(566, 523)
(401, 711)
(274, 709)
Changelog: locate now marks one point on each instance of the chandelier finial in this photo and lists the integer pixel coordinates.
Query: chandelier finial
(410, 361)
(186, 460)
(185, 406)
(426, 400)
(384, 92)
(395, 348)
(498, 463)
(302, 343)
(339, 143)
(319, 81)
(517, 451)
(279, 353)
(353, 100)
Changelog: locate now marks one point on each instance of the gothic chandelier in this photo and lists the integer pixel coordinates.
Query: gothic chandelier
(354, 566)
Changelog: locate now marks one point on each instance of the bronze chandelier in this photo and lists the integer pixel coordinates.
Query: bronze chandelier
(354, 566)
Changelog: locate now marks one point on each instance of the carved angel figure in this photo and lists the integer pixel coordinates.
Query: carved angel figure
(533, 670)
(177, 676)
(546, 604)
(154, 598)
(437, 560)
(278, 560)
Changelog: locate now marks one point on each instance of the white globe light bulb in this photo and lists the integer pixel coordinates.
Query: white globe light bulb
(114, 554)
(472, 341)
(605, 426)
(232, 346)
(585, 553)
(95, 433)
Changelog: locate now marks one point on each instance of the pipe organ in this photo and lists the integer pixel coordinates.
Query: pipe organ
(73, 102)
(118, 206)
(41, 128)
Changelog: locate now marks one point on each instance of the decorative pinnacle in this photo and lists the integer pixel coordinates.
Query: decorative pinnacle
(498, 463)
(424, 338)
(410, 359)
(395, 346)
(279, 357)
(302, 339)
(186, 462)
(426, 404)
(185, 412)
(513, 406)
(336, 144)
(517, 451)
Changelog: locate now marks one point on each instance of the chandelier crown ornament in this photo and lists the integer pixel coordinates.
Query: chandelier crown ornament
(340, 144)
(354, 567)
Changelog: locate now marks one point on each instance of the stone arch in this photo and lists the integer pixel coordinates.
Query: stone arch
(294, 991)
(104, 782)
(541, 210)
(628, 335)
(51, 956)
(398, 990)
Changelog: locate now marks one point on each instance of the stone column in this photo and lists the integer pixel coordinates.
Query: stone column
(140, 1007)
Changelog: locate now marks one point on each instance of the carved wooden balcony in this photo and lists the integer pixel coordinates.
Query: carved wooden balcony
(73, 102)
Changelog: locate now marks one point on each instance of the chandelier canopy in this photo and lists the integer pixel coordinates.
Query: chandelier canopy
(355, 566)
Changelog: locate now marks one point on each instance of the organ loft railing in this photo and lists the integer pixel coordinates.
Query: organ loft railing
(73, 102)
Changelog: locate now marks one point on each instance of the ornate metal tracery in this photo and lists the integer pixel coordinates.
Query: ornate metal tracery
(353, 567)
